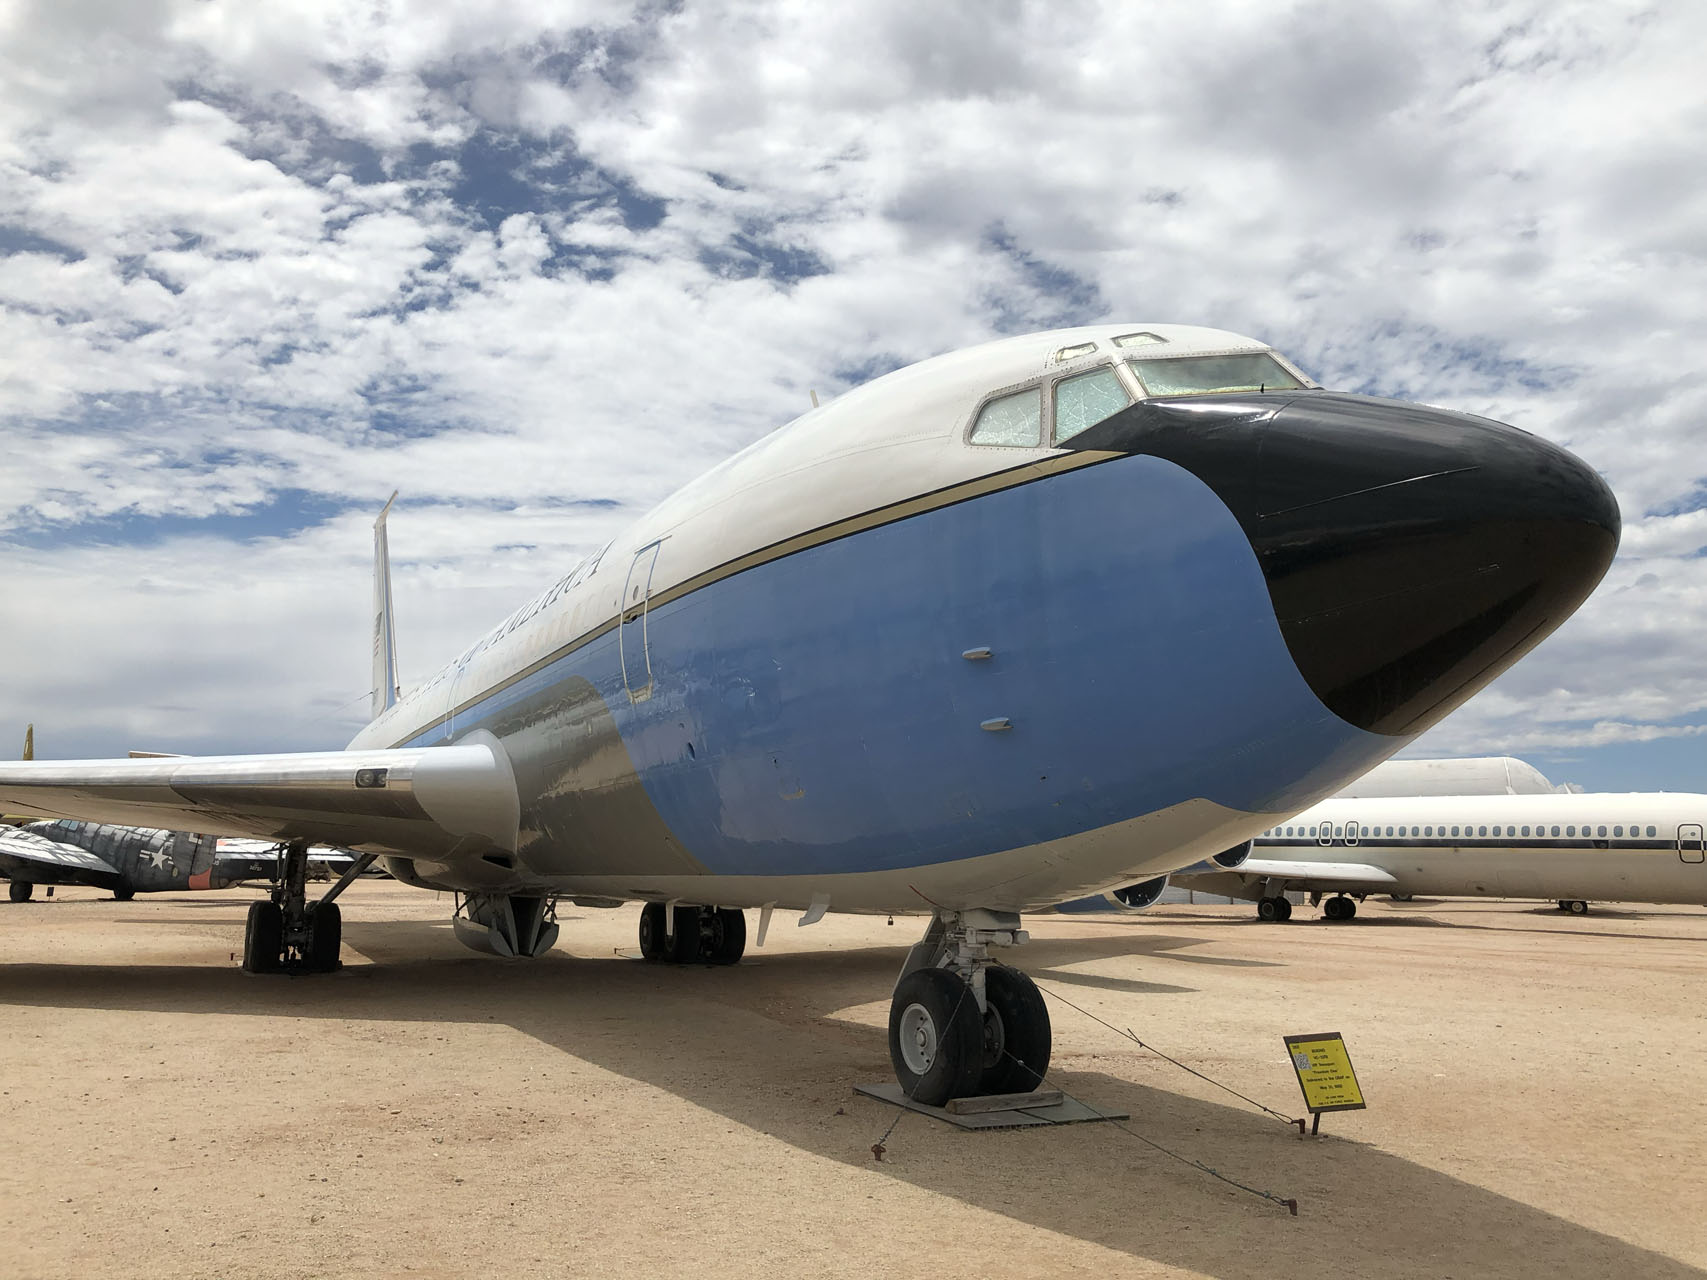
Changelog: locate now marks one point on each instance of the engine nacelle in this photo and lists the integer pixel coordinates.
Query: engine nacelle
(1132, 897)
(1135, 897)
(1226, 860)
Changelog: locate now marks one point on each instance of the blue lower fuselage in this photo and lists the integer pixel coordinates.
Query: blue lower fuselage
(816, 714)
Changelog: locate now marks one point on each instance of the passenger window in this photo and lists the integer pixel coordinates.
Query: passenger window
(1570, 831)
(1526, 831)
(1086, 400)
(1555, 831)
(1454, 830)
(1650, 831)
(1481, 831)
(1603, 831)
(1428, 831)
(1618, 831)
(1012, 420)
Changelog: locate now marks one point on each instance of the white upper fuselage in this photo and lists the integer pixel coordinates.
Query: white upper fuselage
(900, 436)
(1636, 847)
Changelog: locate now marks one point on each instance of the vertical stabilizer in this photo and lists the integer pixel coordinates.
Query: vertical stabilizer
(29, 742)
(384, 633)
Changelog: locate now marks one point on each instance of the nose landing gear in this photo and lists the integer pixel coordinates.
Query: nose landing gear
(960, 1023)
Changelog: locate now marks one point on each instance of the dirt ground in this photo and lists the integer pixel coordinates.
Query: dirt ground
(1535, 1086)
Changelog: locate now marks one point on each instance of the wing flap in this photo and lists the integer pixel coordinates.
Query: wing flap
(413, 801)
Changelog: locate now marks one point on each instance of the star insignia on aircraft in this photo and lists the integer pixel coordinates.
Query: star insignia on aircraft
(160, 859)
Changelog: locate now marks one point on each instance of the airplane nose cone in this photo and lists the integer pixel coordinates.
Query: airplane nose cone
(1411, 554)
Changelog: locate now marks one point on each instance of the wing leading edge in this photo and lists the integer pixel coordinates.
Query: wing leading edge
(423, 801)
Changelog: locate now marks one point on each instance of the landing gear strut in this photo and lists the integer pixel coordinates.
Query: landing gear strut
(962, 1024)
(289, 934)
(692, 935)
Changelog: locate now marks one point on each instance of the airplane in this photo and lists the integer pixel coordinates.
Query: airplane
(1571, 848)
(132, 860)
(18, 819)
(1016, 623)
(1454, 776)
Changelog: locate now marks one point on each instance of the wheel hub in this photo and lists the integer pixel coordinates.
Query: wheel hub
(918, 1039)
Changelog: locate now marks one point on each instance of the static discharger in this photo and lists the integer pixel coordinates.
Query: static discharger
(1325, 1075)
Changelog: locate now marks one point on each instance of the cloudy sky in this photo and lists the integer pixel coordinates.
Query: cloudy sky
(537, 262)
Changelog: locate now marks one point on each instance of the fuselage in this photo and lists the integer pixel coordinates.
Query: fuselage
(1637, 847)
(1008, 626)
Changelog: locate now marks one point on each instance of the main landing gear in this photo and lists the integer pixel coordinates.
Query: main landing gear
(1576, 906)
(960, 1023)
(20, 890)
(1339, 908)
(1274, 909)
(692, 935)
(289, 934)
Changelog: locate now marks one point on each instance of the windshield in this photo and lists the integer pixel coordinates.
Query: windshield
(1199, 375)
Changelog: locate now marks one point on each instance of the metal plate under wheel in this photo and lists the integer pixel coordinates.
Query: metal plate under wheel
(1067, 1111)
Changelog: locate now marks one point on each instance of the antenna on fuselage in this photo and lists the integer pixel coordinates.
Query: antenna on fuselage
(814, 396)
(384, 632)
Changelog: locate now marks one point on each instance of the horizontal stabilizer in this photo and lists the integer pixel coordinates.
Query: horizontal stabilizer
(29, 848)
(413, 801)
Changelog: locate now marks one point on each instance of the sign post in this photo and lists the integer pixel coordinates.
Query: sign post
(1324, 1074)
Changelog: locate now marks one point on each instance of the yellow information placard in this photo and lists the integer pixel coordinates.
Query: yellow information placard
(1324, 1073)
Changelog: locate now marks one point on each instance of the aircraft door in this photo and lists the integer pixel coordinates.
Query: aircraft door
(1327, 834)
(633, 643)
(1689, 843)
(1351, 833)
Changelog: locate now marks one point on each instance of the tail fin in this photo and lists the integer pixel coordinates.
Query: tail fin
(384, 634)
(29, 742)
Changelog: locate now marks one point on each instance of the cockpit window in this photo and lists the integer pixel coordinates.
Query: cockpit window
(1201, 375)
(1085, 400)
(1012, 420)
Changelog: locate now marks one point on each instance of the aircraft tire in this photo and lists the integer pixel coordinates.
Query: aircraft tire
(1349, 910)
(1284, 908)
(685, 946)
(20, 890)
(654, 946)
(123, 894)
(1017, 1037)
(1267, 911)
(1578, 907)
(936, 1036)
(263, 939)
(325, 937)
(728, 941)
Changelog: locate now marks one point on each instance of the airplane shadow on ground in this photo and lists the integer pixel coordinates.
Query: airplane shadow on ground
(1363, 1210)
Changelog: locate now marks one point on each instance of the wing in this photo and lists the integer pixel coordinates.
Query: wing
(19, 846)
(417, 801)
(1355, 877)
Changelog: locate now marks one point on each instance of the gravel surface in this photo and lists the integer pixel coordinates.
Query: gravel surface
(1535, 1086)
